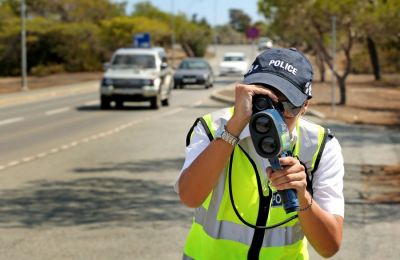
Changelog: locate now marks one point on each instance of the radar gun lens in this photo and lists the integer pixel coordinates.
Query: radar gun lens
(262, 124)
(268, 145)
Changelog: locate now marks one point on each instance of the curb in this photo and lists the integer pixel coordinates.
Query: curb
(218, 96)
(34, 95)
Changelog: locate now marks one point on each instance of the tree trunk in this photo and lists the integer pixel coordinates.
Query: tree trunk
(373, 55)
(321, 66)
(186, 48)
(342, 87)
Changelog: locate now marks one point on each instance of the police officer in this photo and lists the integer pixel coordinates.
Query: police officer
(221, 164)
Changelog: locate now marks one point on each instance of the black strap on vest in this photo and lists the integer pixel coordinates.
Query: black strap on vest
(327, 134)
(264, 201)
(204, 124)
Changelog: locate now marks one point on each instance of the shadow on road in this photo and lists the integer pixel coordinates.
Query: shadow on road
(97, 200)
(127, 107)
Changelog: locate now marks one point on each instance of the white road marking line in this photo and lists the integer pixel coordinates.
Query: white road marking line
(173, 111)
(13, 163)
(11, 120)
(28, 159)
(84, 140)
(40, 155)
(57, 111)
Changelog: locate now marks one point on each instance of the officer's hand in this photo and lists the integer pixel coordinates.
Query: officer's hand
(292, 176)
(243, 105)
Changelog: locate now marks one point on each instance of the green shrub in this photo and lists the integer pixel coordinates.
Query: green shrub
(45, 70)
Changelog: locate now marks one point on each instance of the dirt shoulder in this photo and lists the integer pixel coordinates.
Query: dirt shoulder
(368, 101)
(13, 84)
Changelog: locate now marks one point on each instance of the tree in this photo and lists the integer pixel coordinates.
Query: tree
(239, 20)
(71, 10)
(227, 35)
(380, 26)
(193, 36)
(118, 32)
(10, 33)
(307, 24)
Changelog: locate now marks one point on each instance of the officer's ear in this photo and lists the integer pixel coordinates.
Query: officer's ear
(304, 108)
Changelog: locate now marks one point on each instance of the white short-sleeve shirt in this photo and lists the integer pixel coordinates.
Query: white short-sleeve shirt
(327, 180)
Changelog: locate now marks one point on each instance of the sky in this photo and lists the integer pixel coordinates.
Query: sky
(215, 11)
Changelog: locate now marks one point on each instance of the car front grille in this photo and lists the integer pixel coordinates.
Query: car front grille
(189, 76)
(127, 83)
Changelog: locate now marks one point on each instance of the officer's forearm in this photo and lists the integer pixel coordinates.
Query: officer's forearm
(323, 230)
(201, 176)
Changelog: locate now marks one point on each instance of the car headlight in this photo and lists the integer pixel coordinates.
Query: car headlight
(106, 82)
(148, 82)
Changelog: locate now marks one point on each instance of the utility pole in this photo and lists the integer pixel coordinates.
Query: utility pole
(173, 33)
(333, 63)
(24, 82)
(215, 27)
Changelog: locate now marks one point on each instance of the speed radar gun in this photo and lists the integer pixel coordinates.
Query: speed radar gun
(271, 140)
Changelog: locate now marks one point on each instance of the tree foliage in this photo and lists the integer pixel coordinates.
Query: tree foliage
(79, 35)
(118, 32)
(239, 20)
(307, 24)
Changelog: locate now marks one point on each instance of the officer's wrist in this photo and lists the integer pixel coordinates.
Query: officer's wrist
(305, 200)
(235, 126)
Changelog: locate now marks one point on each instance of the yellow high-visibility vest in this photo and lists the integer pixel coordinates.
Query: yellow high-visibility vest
(217, 232)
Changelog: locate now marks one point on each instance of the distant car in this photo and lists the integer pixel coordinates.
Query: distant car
(264, 43)
(233, 63)
(194, 71)
(137, 74)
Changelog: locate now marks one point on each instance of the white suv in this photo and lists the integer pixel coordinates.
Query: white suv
(233, 63)
(136, 74)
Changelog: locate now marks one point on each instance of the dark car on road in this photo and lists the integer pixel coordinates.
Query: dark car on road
(194, 71)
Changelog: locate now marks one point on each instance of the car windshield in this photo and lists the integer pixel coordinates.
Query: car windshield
(137, 61)
(233, 58)
(193, 65)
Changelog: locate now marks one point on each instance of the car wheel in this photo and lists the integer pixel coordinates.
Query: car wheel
(104, 103)
(155, 102)
(119, 104)
(165, 102)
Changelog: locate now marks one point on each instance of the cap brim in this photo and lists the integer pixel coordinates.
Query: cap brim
(295, 96)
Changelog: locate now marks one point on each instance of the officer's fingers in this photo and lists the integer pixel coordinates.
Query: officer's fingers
(297, 185)
(288, 178)
(285, 161)
(258, 89)
(294, 168)
(269, 172)
(251, 90)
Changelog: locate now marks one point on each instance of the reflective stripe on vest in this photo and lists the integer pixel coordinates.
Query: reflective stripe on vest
(214, 223)
(280, 236)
